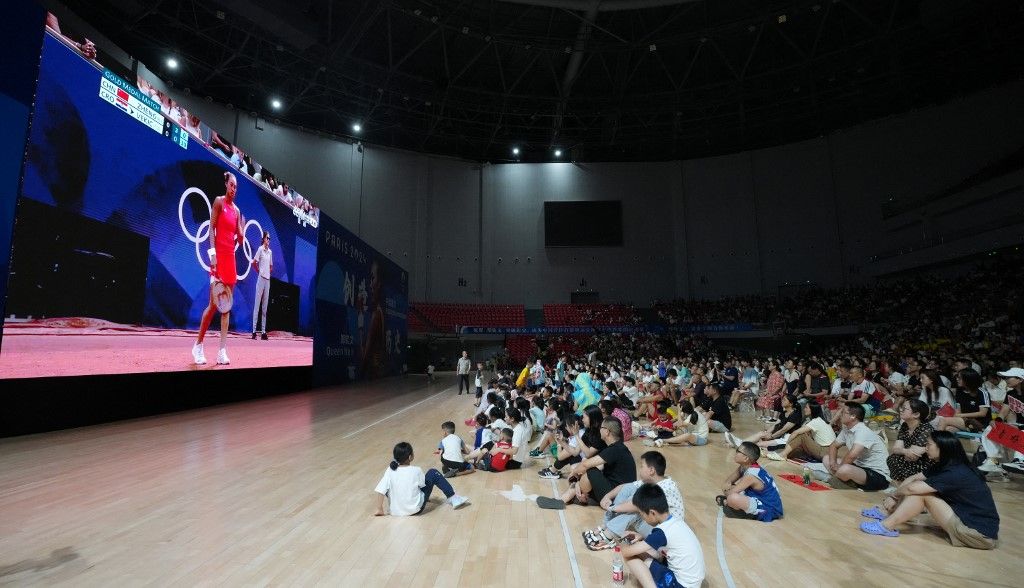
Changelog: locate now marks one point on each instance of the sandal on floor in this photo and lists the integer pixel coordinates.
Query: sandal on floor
(599, 542)
(720, 500)
(874, 513)
(876, 528)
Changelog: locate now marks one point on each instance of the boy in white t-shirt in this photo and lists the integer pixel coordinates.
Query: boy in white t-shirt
(670, 556)
(452, 449)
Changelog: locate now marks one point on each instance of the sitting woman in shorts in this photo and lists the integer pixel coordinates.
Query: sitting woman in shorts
(694, 429)
(954, 494)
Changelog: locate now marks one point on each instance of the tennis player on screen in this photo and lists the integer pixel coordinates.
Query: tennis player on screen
(225, 231)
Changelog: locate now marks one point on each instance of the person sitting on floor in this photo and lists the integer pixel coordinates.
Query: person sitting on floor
(864, 464)
(406, 487)
(621, 514)
(597, 475)
(792, 418)
(811, 441)
(954, 494)
(972, 405)
(670, 556)
(908, 454)
(694, 429)
(750, 491)
(716, 410)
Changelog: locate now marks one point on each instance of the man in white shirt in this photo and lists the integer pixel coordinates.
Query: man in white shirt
(864, 464)
(463, 371)
(263, 262)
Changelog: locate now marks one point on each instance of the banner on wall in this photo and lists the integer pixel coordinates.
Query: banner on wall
(361, 305)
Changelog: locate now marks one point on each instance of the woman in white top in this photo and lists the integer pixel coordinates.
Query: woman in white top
(933, 393)
(812, 439)
(694, 425)
(407, 488)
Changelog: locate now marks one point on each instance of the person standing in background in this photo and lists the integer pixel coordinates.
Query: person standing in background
(263, 262)
(463, 371)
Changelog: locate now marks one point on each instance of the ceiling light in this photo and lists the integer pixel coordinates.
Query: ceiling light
(172, 63)
(652, 47)
(782, 18)
(276, 104)
(515, 151)
(356, 127)
(558, 152)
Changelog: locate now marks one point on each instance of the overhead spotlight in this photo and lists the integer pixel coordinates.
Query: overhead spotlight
(356, 127)
(465, 30)
(568, 50)
(652, 47)
(172, 63)
(276, 104)
(558, 152)
(515, 151)
(782, 19)
(220, 15)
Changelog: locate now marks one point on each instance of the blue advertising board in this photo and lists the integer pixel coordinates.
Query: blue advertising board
(362, 298)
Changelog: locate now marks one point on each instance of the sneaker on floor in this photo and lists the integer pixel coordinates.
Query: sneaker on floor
(264, 336)
(549, 474)
(990, 466)
(222, 357)
(197, 354)
(650, 442)
(254, 335)
(1016, 466)
(535, 452)
(772, 455)
(772, 421)
(732, 439)
(458, 501)
(449, 472)
(659, 442)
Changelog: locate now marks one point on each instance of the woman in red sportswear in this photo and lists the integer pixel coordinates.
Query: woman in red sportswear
(226, 224)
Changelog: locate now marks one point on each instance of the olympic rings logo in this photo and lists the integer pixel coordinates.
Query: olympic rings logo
(202, 232)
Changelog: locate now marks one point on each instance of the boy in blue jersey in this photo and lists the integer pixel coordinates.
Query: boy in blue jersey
(670, 556)
(750, 491)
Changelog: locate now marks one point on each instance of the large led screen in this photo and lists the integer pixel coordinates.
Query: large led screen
(110, 270)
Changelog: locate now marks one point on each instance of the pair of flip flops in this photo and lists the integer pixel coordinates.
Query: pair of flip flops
(597, 540)
(731, 512)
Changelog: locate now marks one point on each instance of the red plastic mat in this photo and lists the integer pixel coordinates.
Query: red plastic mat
(799, 481)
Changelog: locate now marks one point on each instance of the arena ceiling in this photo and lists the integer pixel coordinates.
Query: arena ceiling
(611, 80)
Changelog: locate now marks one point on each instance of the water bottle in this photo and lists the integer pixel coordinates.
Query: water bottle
(807, 476)
(618, 575)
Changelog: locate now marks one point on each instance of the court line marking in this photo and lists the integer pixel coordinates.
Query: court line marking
(394, 414)
(573, 563)
(720, 546)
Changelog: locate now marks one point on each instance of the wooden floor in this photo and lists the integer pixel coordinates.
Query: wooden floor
(279, 492)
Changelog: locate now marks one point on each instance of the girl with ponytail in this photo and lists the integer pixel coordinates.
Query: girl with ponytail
(407, 488)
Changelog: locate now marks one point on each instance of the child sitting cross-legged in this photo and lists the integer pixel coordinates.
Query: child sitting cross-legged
(750, 491)
(670, 556)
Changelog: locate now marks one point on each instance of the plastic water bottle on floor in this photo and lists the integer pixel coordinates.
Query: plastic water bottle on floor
(618, 573)
(807, 476)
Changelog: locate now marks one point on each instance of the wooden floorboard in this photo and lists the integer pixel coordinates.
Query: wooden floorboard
(279, 492)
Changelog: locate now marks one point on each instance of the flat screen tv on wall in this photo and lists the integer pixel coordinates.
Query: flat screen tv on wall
(595, 223)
